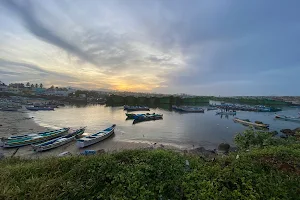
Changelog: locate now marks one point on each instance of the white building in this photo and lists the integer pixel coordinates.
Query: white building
(59, 92)
(3, 87)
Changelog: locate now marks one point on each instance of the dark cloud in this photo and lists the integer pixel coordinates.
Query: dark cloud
(31, 20)
(16, 68)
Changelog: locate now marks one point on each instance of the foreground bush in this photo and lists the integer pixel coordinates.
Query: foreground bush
(271, 173)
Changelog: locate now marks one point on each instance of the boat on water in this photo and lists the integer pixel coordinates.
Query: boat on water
(37, 108)
(136, 108)
(95, 138)
(287, 118)
(212, 108)
(23, 140)
(135, 116)
(248, 123)
(226, 113)
(9, 109)
(57, 142)
(147, 117)
(188, 109)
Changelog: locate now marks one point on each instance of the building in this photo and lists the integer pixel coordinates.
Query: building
(62, 92)
(3, 87)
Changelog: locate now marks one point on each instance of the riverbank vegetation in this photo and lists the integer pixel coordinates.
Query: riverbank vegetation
(264, 168)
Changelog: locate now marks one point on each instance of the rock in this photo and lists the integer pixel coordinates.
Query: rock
(297, 130)
(223, 148)
(287, 131)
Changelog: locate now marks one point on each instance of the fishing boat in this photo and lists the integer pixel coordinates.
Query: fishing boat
(136, 108)
(226, 113)
(9, 109)
(212, 108)
(22, 140)
(135, 116)
(248, 123)
(294, 119)
(37, 108)
(147, 117)
(188, 109)
(57, 142)
(95, 138)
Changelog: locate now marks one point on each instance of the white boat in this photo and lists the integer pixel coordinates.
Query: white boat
(294, 119)
(248, 123)
(57, 142)
(95, 138)
(226, 113)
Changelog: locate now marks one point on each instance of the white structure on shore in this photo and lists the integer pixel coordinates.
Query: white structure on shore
(3, 87)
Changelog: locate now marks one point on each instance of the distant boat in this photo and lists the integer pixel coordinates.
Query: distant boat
(226, 113)
(147, 117)
(188, 109)
(136, 108)
(9, 109)
(95, 138)
(22, 140)
(287, 118)
(37, 108)
(248, 123)
(57, 142)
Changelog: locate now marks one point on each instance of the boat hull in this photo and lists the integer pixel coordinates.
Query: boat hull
(251, 123)
(58, 141)
(282, 117)
(84, 143)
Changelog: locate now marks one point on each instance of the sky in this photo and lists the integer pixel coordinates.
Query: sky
(209, 47)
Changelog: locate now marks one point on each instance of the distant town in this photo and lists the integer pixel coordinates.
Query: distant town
(38, 89)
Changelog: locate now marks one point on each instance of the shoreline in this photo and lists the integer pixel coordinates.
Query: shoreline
(13, 123)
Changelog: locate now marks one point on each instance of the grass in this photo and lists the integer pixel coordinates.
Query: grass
(263, 173)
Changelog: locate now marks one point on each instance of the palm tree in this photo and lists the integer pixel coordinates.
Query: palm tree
(27, 84)
(36, 85)
(32, 86)
(41, 85)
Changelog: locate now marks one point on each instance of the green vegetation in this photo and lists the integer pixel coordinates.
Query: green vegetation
(252, 101)
(270, 170)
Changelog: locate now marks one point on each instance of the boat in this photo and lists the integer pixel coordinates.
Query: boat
(136, 108)
(226, 113)
(37, 108)
(294, 119)
(248, 123)
(9, 109)
(23, 140)
(147, 117)
(57, 142)
(95, 138)
(190, 109)
(135, 116)
(212, 108)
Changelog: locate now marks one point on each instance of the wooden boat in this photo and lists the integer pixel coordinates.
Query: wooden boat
(135, 116)
(294, 119)
(226, 113)
(147, 117)
(37, 108)
(248, 123)
(212, 108)
(190, 109)
(22, 140)
(136, 108)
(95, 138)
(9, 109)
(51, 144)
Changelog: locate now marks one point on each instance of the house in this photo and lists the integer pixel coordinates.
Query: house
(3, 87)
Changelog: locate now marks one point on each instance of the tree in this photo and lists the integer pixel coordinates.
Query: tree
(32, 86)
(41, 85)
(36, 85)
(27, 84)
(52, 87)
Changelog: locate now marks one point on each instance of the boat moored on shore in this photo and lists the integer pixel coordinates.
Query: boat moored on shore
(96, 137)
(248, 123)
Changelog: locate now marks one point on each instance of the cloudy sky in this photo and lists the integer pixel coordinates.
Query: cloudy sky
(206, 47)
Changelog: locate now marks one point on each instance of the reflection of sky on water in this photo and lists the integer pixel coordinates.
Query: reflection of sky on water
(206, 129)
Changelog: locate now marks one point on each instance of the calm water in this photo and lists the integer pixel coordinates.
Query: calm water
(205, 129)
